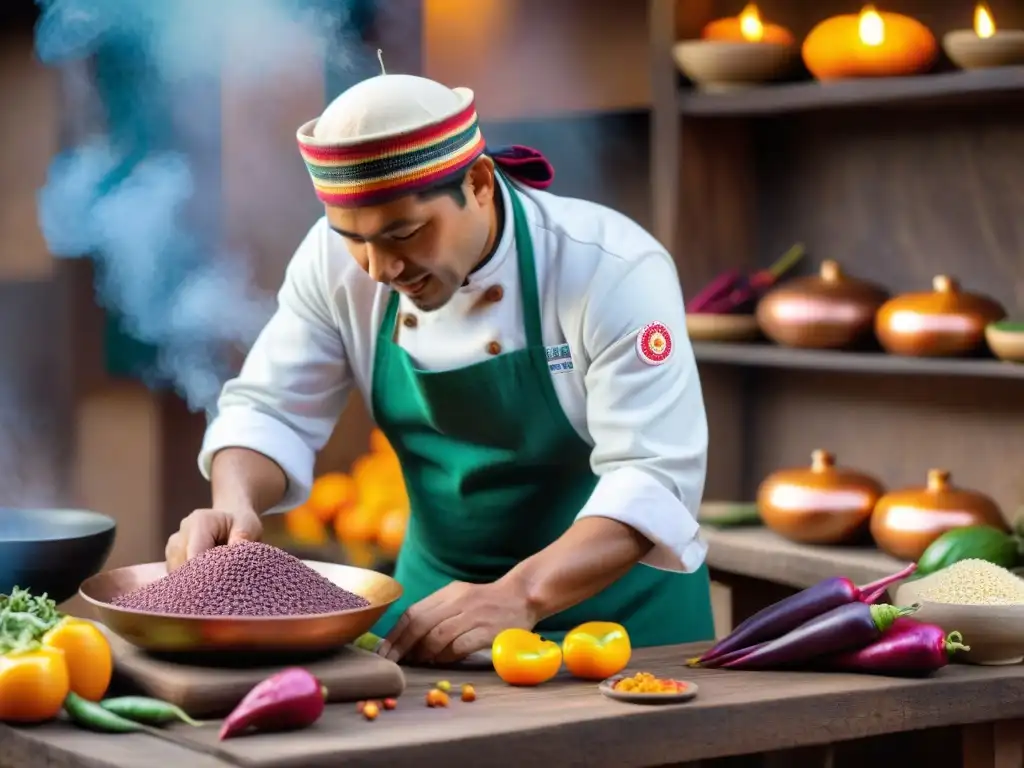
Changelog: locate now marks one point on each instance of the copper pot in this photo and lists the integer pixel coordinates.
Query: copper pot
(824, 504)
(945, 322)
(905, 522)
(829, 310)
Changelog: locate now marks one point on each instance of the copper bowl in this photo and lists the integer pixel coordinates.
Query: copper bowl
(168, 633)
(946, 321)
(829, 310)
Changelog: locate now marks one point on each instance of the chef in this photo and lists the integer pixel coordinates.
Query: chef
(526, 356)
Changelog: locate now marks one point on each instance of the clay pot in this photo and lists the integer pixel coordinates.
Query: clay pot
(905, 522)
(945, 322)
(829, 310)
(824, 504)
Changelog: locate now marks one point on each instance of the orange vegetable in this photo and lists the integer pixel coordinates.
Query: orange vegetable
(521, 657)
(305, 526)
(87, 655)
(596, 650)
(332, 493)
(391, 530)
(33, 685)
(437, 698)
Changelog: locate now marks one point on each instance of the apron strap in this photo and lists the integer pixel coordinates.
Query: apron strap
(527, 271)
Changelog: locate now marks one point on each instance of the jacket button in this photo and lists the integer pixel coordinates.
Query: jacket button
(494, 294)
(409, 321)
(494, 348)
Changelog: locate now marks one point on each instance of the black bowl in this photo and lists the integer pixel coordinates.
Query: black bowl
(52, 550)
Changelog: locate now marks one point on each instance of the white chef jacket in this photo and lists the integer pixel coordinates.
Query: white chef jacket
(601, 278)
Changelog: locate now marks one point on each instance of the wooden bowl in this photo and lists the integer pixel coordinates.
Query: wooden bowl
(710, 327)
(994, 633)
(1006, 340)
(170, 633)
(968, 51)
(718, 65)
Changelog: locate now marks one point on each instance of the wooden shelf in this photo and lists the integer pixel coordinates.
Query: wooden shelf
(760, 554)
(946, 89)
(769, 356)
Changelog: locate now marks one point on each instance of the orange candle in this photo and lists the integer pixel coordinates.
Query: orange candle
(748, 27)
(869, 44)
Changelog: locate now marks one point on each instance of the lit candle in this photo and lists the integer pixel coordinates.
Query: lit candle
(737, 52)
(985, 45)
(748, 27)
(872, 43)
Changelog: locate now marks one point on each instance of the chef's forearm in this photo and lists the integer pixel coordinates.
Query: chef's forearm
(592, 554)
(244, 479)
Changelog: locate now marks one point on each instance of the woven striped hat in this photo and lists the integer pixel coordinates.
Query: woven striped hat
(395, 135)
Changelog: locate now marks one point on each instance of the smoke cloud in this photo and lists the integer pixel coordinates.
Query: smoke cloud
(124, 192)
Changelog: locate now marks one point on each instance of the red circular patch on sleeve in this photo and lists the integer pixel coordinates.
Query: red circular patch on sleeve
(654, 343)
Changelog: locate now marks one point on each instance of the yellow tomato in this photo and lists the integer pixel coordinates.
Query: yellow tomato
(87, 655)
(521, 657)
(596, 650)
(33, 685)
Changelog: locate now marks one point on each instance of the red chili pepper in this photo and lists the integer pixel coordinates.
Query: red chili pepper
(845, 628)
(786, 615)
(293, 698)
(718, 288)
(910, 648)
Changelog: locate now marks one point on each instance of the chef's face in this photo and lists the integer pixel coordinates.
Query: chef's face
(424, 246)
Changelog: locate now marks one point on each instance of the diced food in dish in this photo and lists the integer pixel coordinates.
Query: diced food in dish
(973, 582)
(244, 579)
(645, 682)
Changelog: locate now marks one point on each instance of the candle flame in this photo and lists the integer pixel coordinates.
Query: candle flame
(983, 23)
(871, 27)
(750, 24)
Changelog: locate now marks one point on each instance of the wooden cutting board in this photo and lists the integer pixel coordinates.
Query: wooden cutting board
(213, 691)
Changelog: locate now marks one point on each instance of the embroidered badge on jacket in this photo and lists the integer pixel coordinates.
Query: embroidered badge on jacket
(654, 343)
(559, 358)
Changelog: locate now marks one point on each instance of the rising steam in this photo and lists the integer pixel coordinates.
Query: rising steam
(125, 200)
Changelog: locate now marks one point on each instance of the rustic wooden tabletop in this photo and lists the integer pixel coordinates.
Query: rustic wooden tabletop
(565, 722)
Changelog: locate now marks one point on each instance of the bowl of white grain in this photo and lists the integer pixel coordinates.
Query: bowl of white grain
(981, 601)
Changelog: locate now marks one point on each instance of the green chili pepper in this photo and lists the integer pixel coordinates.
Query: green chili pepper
(95, 718)
(145, 710)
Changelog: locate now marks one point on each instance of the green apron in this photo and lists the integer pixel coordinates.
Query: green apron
(495, 472)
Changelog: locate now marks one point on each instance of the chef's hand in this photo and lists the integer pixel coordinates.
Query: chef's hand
(207, 528)
(456, 621)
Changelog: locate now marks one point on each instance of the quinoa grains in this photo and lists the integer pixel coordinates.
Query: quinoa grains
(244, 579)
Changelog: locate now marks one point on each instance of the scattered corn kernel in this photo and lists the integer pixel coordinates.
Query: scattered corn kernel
(390, 703)
(360, 706)
(371, 710)
(444, 685)
(468, 693)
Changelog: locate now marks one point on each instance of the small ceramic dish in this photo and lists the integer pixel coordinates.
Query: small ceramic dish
(722, 65)
(1006, 340)
(687, 691)
(994, 633)
(712, 327)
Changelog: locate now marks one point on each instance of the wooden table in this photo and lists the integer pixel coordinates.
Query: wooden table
(760, 567)
(568, 723)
